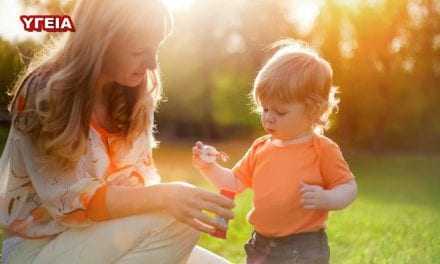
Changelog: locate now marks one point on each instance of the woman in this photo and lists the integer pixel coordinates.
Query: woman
(77, 179)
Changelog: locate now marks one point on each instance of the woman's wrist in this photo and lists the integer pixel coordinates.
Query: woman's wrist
(158, 196)
(164, 194)
(125, 201)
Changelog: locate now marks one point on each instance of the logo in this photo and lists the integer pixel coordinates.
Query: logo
(47, 23)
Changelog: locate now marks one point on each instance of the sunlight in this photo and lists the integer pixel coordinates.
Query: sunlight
(303, 14)
(349, 3)
(11, 27)
(356, 3)
(178, 4)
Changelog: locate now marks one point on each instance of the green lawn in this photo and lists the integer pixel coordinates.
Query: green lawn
(396, 218)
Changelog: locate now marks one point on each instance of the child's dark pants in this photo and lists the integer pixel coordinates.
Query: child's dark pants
(304, 248)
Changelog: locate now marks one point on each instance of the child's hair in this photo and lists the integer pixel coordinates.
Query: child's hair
(296, 73)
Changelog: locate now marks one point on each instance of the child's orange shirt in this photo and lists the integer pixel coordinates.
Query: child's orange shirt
(275, 172)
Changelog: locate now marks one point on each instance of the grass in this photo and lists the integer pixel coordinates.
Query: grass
(395, 218)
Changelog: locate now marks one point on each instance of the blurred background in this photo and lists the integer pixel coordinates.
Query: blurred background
(386, 59)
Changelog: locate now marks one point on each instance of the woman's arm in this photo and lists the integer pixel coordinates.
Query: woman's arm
(92, 198)
(183, 201)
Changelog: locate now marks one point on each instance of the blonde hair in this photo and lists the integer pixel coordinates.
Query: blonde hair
(298, 74)
(58, 117)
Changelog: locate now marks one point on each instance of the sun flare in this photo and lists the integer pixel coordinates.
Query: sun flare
(177, 4)
(303, 13)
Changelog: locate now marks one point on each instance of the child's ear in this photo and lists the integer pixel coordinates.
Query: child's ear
(315, 110)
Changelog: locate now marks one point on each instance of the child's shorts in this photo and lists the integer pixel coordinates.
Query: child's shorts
(304, 248)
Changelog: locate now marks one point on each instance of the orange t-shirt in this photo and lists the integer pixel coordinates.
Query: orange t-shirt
(275, 172)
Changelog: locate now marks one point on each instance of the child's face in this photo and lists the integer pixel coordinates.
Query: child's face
(285, 120)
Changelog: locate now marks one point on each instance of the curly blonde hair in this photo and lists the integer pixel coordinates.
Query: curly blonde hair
(59, 84)
(296, 73)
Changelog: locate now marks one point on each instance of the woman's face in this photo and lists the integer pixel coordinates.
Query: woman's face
(126, 62)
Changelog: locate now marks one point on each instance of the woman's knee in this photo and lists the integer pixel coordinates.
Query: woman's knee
(190, 233)
(181, 232)
(138, 224)
(172, 244)
(163, 226)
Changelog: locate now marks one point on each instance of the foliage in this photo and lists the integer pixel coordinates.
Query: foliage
(385, 54)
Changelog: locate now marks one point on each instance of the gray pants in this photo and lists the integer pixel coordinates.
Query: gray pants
(304, 248)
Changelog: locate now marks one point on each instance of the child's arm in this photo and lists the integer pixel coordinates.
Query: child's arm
(221, 177)
(342, 195)
(340, 184)
(315, 197)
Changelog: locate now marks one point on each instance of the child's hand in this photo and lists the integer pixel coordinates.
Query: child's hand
(205, 156)
(197, 160)
(314, 197)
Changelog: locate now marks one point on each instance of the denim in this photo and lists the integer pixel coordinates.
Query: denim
(304, 248)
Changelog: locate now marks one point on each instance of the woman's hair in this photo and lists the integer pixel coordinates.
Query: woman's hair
(297, 74)
(58, 117)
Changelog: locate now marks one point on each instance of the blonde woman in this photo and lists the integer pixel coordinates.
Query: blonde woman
(77, 179)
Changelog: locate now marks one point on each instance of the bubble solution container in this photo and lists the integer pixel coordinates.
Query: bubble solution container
(220, 233)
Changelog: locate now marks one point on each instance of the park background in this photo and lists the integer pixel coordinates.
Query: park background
(386, 59)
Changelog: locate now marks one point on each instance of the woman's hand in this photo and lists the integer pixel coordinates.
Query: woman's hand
(187, 203)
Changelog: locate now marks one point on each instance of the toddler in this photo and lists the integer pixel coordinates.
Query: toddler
(296, 173)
